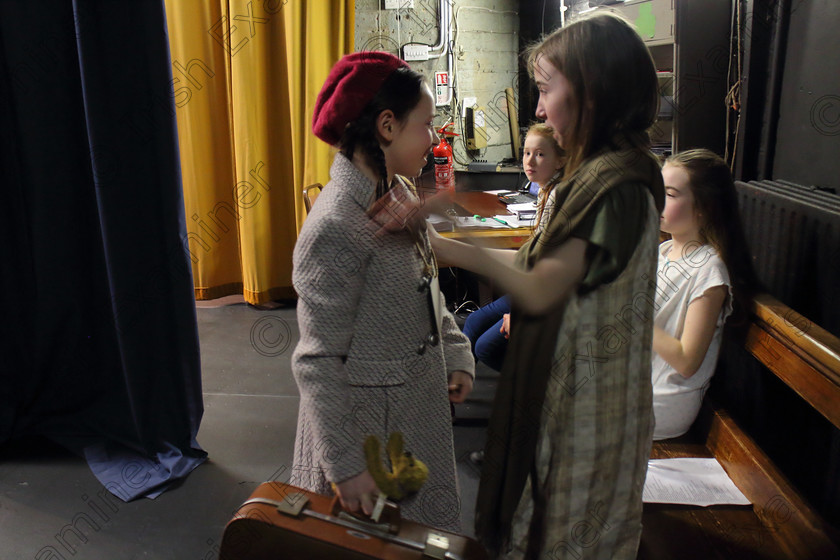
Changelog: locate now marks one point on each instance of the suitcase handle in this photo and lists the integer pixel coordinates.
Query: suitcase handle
(388, 521)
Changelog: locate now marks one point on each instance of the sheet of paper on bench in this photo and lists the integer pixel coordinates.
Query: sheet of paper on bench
(690, 481)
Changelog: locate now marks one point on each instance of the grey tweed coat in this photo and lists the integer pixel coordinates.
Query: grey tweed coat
(358, 365)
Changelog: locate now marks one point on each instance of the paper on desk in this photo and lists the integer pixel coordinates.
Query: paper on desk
(690, 481)
(521, 206)
(472, 222)
(513, 221)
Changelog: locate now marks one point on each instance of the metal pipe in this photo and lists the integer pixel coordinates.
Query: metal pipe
(442, 36)
(767, 150)
(450, 55)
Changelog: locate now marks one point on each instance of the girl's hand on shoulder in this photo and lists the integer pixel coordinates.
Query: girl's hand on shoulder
(435, 202)
(396, 211)
(399, 209)
(358, 492)
(460, 386)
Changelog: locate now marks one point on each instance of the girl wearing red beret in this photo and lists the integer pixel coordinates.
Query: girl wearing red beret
(378, 351)
(570, 434)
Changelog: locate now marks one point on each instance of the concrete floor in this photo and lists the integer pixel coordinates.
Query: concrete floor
(251, 404)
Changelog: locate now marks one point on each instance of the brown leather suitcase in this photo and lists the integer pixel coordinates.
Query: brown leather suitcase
(280, 521)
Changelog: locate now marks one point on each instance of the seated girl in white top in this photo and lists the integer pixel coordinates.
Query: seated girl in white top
(704, 270)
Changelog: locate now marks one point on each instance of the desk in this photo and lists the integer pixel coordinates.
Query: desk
(470, 203)
(493, 238)
(485, 204)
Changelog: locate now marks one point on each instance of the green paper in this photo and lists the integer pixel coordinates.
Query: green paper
(646, 22)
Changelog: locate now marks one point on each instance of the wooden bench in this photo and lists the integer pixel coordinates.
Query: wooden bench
(780, 523)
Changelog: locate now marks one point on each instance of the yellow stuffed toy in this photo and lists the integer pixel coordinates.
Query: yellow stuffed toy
(407, 473)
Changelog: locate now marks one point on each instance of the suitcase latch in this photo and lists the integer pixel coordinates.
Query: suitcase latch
(293, 504)
(436, 546)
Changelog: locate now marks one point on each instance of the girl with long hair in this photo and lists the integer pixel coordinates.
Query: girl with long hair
(704, 273)
(570, 433)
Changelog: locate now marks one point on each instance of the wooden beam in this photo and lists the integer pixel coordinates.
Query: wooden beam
(803, 355)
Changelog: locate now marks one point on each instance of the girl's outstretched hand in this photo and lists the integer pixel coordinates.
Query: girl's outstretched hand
(399, 210)
(435, 201)
(396, 211)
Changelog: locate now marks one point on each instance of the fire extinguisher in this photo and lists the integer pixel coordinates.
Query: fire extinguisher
(444, 172)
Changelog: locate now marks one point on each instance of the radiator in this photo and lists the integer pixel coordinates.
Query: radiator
(794, 235)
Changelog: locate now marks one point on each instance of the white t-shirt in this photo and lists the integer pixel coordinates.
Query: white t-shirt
(549, 206)
(676, 400)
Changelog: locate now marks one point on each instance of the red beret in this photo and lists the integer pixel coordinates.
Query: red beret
(352, 83)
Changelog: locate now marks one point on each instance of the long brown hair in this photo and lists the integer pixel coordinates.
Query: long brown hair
(615, 90)
(716, 206)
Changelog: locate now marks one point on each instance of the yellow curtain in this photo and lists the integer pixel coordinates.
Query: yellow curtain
(245, 77)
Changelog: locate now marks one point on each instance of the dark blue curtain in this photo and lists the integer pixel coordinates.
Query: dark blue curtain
(99, 339)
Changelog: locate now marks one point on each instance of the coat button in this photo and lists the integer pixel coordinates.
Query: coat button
(433, 339)
(424, 284)
(422, 349)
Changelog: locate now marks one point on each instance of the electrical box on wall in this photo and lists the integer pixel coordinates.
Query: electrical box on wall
(475, 128)
(415, 52)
